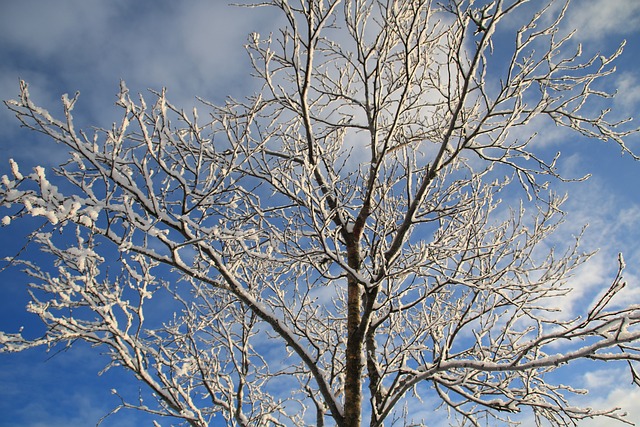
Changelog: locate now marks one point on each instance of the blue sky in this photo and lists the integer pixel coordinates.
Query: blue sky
(194, 48)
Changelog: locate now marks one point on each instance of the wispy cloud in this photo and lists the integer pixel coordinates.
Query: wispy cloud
(39, 390)
(89, 46)
(612, 216)
(628, 86)
(614, 390)
(194, 50)
(599, 19)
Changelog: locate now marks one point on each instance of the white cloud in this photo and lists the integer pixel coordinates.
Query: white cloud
(614, 391)
(612, 218)
(628, 87)
(193, 49)
(599, 19)
(44, 29)
(601, 378)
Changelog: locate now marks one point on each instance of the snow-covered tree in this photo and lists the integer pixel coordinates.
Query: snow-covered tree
(373, 226)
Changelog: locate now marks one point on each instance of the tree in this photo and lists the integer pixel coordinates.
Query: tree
(339, 234)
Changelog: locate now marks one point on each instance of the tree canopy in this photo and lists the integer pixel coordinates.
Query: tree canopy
(369, 228)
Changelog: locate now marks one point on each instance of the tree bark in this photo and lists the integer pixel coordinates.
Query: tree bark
(354, 361)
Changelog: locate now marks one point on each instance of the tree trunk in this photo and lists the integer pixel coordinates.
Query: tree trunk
(354, 360)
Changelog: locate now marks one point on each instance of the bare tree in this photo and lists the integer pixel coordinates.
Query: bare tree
(334, 245)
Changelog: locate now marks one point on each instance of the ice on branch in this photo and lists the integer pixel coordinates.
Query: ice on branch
(15, 170)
